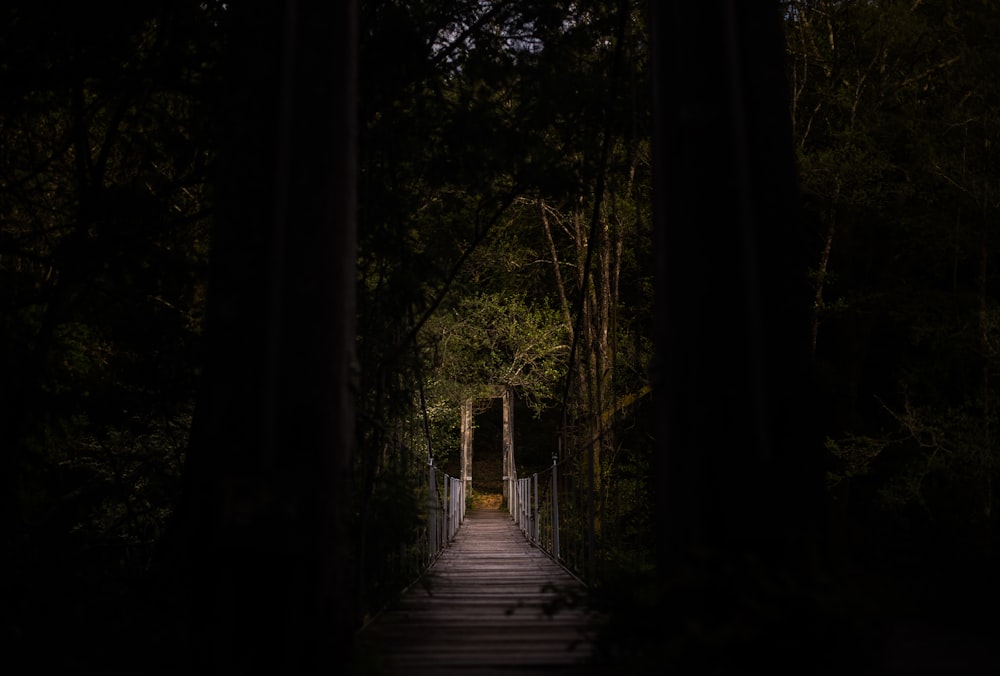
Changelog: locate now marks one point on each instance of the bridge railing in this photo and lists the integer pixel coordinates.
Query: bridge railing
(445, 509)
(604, 520)
(534, 506)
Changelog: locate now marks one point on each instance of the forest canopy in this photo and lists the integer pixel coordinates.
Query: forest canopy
(505, 238)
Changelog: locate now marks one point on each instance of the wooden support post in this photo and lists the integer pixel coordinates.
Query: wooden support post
(508, 440)
(534, 512)
(555, 507)
(431, 513)
(466, 461)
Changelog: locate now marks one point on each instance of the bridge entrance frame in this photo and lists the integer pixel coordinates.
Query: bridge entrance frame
(506, 394)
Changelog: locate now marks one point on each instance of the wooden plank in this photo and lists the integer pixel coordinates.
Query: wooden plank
(492, 603)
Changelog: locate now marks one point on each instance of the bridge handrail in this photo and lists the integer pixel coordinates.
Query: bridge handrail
(445, 509)
(533, 503)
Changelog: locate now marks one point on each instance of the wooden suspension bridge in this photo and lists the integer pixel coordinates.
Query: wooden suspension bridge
(492, 603)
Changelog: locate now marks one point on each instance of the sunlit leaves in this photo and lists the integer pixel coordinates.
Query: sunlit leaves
(497, 339)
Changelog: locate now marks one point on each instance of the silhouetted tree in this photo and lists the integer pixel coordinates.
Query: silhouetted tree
(269, 464)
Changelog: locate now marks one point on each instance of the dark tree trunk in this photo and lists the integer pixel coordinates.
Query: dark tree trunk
(738, 471)
(269, 465)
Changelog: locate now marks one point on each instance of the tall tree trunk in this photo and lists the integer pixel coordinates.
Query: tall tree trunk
(270, 459)
(556, 271)
(821, 276)
(988, 463)
(738, 469)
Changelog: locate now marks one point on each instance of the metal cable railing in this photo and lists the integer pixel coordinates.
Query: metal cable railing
(555, 510)
(534, 506)
(445, 509)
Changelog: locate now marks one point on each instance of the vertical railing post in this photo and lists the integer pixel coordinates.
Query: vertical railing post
(555, 509)
(515, 504)
(431, 517)
(526, 505)
(512, 490)
(516, 499)
(534, 513)
(520, 503)
(447, 510)
(511, 501)
(522, 498)
(460, 505)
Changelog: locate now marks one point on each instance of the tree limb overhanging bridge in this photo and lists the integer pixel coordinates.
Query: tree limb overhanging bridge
(495, 596)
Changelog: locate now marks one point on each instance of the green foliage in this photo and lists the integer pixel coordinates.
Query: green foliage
(105, 160)
(494, 340)
(894, 118)
(946, 463)
(477, 119)
(392, 525)
(853, 457)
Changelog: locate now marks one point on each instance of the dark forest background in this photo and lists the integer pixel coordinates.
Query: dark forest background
(737, 264)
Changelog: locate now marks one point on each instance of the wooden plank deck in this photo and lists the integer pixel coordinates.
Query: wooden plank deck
(492, 603)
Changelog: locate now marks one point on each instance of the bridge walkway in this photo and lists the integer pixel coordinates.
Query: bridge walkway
(492, 603)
